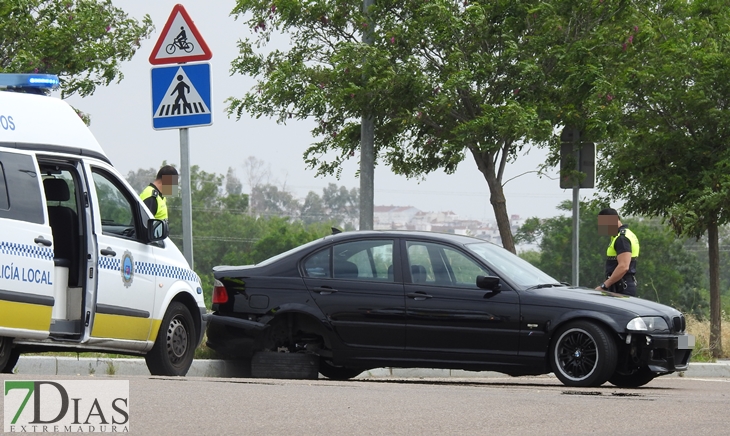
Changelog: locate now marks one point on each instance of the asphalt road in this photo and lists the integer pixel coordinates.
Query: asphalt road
(497, 406)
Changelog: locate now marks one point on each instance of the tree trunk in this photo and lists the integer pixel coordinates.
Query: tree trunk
(485, 163)
(713, 239)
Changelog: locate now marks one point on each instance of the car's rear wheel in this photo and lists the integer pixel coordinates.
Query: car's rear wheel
(272, 364)
(334, 372)
(174, 348)
(633, 379)
(8, 355)
(583, 354)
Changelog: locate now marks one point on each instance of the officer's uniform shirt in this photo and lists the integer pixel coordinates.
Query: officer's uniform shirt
(622, 244)
(155, 201)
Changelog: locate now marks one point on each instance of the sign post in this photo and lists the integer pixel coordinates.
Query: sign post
(181, 97)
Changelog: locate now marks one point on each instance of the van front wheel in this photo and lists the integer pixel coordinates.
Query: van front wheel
(174, 348)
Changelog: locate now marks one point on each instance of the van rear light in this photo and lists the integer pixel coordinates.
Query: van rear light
(220, 295)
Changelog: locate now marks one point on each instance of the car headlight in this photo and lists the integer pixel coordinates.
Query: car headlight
(649, 324)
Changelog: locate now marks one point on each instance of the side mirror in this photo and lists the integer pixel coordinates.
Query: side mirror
(157, 230)
(489, 283)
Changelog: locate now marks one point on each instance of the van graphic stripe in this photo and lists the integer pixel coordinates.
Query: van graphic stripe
(25, 316)
(24, 250)
(151, 269)
(121, 327)
(22, 297)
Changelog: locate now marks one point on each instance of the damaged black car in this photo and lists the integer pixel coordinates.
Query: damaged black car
(354, 301)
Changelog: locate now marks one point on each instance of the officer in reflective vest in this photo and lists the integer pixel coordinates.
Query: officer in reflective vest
(621, 254)
(154, 194)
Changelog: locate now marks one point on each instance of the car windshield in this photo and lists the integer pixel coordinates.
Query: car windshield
(510, 266)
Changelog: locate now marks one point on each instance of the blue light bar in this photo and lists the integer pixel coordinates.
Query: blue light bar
(29, 81)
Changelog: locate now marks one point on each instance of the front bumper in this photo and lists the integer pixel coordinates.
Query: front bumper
(662, 353)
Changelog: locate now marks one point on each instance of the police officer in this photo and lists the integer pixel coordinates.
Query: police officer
(621, 254)
(154, 194)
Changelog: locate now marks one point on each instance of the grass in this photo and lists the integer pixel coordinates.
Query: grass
(701, 330)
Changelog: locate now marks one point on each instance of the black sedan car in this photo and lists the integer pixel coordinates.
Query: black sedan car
(360, 300)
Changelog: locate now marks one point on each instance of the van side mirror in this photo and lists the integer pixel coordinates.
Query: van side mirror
(489, 283)
(157, 230)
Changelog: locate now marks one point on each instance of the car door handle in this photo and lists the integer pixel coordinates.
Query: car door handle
(43, 241)
(324, 290)
(419, 295)
(108, 252)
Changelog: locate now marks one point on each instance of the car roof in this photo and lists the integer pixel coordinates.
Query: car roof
(446, 237)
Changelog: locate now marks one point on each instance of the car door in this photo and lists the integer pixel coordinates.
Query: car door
(447, 312)
(126, 283)
(356, 287)
(26, 249)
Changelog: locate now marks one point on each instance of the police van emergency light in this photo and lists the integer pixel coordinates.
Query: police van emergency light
(31, 83)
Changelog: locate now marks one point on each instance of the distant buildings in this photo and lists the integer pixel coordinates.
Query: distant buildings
(411, 218)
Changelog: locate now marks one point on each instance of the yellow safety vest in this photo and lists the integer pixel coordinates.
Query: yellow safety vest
(611, 251)
(151, 191)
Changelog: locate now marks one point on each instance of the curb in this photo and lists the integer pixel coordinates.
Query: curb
(50, 365)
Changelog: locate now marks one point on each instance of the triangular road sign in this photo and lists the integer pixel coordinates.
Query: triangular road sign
(179, 41)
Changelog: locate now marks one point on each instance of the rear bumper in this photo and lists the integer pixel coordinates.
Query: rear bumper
(245, 324)
(230, 337)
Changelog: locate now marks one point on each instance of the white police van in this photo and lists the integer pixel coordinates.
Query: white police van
(83, 264)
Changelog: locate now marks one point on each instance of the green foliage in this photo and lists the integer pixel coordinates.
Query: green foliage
(441, 79)
(673, 155)
(82, 41)
(666, 271)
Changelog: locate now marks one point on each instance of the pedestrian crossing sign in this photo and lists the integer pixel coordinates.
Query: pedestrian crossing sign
(181, 96)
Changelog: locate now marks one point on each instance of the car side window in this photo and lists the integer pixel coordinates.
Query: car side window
(116, 210)
(20, 189)
(364, 260)
(464, 269)
(438, 264)
(318, 264)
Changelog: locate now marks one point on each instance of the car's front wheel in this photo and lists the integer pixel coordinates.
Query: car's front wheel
(334, 372)
(8, 355)
(583, 354)
(633, 379)
(174, 348)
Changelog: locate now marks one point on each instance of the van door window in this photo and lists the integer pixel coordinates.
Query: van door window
(116, 210)
(4, 202)
(22, 189)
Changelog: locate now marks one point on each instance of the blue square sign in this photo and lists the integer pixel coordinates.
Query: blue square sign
(181, 96)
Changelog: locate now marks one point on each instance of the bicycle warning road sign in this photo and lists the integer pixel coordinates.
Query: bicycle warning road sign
(181, 96)
(179, 41)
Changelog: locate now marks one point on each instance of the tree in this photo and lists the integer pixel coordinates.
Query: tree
(141, 178)
(313, 209)
(269, 200)
(666, 271)
(442, 80)
(81, 41)
(343, 206)
(672, 160)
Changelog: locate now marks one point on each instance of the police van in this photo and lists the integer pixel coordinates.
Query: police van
(84, 266)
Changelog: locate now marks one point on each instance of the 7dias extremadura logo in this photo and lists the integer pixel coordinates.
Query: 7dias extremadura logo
(77, 406)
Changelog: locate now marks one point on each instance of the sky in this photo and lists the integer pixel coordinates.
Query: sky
(121, 120)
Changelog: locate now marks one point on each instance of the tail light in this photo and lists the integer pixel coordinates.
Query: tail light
(220, 295)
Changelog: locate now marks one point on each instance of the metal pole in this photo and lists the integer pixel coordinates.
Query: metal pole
(187, 198)
(367, 148)
(575, 264)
